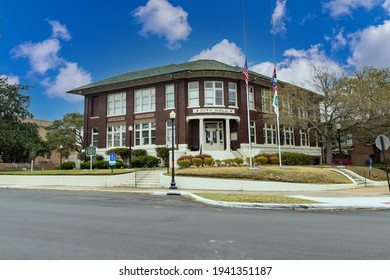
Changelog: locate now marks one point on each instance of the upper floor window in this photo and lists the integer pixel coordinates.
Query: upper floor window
(267, 99)
(116, 136)
(193, 94)
(253, 132)
(145, 100)
(95, 107)
(213, 92)
(116, 104)
(269, 134)
(251, 98)
(233, 94)
(169, 97)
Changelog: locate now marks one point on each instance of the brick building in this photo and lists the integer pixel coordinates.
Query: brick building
(209, 99)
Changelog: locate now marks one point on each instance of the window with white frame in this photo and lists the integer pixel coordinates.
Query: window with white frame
(266, 100)
(145, 134)
(287, 107)
(269, 133)
(251, 98)
(169, 97)
(233, 94)
(303, 138)
(193, 94)
(213, 92)
(253, 132)
(288, 136)
(116, 104)
(145, 100)
(169, 133)
(302, 113)
(95, 136)
(116, 136)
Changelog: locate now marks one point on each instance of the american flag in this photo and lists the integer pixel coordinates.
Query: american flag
(274, 83)
(246, 74)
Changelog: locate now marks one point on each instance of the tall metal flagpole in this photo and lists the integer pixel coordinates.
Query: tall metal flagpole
(246, 74)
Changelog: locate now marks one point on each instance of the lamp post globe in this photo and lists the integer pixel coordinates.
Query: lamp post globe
(172, 115)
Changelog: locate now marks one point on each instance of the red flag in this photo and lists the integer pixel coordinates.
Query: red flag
(246, 74)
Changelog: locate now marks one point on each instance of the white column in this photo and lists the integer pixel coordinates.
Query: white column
(201, 134)
(228, 144)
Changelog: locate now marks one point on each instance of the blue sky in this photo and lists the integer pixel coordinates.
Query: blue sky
(55, 46)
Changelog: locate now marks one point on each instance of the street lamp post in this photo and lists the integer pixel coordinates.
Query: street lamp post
(338, 127)
(61, 154)
(130, 131)
(172, 115)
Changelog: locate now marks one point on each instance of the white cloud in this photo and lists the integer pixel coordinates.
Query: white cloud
(159, 17)
(339, 8)
(278, 17)
(370, 47)
(338, 41)
(386, 6)
(225, 52)
(59, 30)
(11, 79)
(297, 66)
(42, 56)
(70, 76)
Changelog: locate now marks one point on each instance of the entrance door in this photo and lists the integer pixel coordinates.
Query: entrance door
(214, 136)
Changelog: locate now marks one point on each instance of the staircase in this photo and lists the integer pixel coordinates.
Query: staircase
(360, 180)
(145, 179)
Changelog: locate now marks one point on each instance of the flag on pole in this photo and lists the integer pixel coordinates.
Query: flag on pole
(246, 74)
(274, 83)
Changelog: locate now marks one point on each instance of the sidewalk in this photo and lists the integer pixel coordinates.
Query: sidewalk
(374, 197)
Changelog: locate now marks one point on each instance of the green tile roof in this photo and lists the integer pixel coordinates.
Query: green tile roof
(198, 65)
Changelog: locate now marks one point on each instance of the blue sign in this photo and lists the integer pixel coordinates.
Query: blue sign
(112, 161)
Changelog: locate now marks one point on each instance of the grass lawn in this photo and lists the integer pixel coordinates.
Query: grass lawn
(67, 172)
(248, 198)
(294, 174)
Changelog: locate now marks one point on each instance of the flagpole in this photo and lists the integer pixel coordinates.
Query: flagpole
(249, 128)
(279, 148)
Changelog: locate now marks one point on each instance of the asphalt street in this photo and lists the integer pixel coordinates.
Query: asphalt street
(42, 224)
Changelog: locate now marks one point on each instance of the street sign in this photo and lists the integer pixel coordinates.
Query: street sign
(90, 151)
(386, 142)
(112, 161)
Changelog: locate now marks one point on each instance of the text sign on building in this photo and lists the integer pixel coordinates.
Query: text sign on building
(90, 151)
(213, 110)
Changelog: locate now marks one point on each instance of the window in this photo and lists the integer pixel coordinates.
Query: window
(95, 107)
(288, 136)
(253, 132)
(302, 113)
(145, 134)
(267, 100)
(303, 138)
(213, 93)
(169, 97)
(251, 98)
(269, 134)
(169, 133)
(116, 104)
(116, 136)
(95, 137)
(287, 107)
(233, 94)
(193, 94)
(145, 100)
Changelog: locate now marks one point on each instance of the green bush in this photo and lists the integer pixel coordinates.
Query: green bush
(184, 163)
(209, 161)
(197, 162)
(297, 159)
(99, 157)
(218, 162)
(119, 164)
(123, 153)
(86, 165)
(139, 153)
(145, 161)
(260, 160)
(273, 160)
(67, 165)
(267, 155)
(203, 156)
(102, 164)
(227, 161)
(189, 157)
(238, 161)
(163, 154)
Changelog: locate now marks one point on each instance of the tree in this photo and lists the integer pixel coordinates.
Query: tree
(18, 140)
(68, 133)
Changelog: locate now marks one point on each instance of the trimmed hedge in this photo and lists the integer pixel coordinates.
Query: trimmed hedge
(145, 161)
(197, 162)
(67, 165)
(297, 159)
(184, 163)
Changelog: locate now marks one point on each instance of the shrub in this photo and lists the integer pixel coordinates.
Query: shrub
(102, 164)
(86, 165)
(238, 161)
(189, 157)
(273, 160)
(208, 161)
(203, 156)
(99, 157)
(145, 161)
(228, 161)
(119, 164)
(124, 153)
(267, 155)
(297, 159)
(67, 165)
(139, 153)
(197, 162)
(163, 154)
(260, 160)
(218, 162)
(184, 163)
